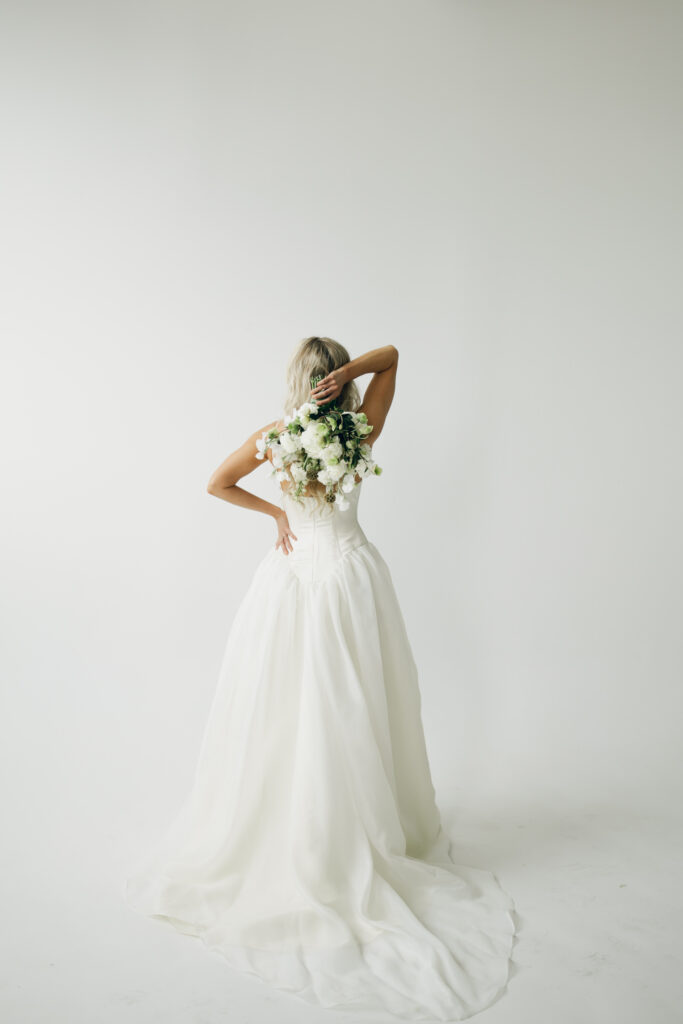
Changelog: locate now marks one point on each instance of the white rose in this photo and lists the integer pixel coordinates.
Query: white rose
(260, 448)
(298, 472)
(361, 467)
(348, 483)
(324, 477)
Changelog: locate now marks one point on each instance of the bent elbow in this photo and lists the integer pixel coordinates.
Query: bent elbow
(218, 489)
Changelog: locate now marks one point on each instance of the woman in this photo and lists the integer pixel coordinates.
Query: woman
(310, 851)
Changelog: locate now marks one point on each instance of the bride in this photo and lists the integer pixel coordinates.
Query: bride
(310, 850)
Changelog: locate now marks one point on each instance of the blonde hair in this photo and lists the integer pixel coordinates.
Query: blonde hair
(316, 357)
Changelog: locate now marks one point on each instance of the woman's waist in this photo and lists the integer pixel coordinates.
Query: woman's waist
(332, 536)
(317, 551)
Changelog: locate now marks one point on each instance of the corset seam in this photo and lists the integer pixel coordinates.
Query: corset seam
(333, 572)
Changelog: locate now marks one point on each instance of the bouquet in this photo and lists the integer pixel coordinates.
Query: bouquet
(323, 443)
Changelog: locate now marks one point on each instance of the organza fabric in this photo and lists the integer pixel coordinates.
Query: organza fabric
(310, 850)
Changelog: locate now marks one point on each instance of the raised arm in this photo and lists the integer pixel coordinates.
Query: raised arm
(382, 363)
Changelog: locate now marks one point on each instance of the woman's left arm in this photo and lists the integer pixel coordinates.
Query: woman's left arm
(223, 484)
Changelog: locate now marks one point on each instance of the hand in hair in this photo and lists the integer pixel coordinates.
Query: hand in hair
(329, 387)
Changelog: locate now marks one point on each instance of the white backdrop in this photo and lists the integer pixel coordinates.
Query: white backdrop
(188, 189)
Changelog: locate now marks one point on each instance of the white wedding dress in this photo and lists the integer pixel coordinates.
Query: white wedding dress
(310, 850)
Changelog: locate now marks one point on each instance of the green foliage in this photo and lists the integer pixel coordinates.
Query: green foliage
(332, 449)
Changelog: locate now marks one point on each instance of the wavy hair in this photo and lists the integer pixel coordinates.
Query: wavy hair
(316, 357)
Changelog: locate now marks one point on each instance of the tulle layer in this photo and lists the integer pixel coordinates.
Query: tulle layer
(310, 850)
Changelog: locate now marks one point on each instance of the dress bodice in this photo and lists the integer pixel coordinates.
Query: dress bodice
(324, 532)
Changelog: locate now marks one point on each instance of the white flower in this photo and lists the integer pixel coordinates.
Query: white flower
(336, 470)
(304, 412)
(313, 439)
(290, 442)
(332, 451)
(277, 456)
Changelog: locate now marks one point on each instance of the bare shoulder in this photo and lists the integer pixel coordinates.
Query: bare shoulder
(277, 424)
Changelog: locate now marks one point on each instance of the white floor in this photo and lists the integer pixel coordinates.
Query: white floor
(597, 891)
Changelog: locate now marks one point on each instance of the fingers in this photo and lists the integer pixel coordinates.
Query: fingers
(327, 392)
(325, 386)
(285, 542)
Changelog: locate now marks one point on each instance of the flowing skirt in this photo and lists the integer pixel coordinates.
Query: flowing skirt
(310, 851)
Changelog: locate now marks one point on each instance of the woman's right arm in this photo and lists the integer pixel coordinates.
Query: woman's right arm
(383, 364)
(377, 360)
